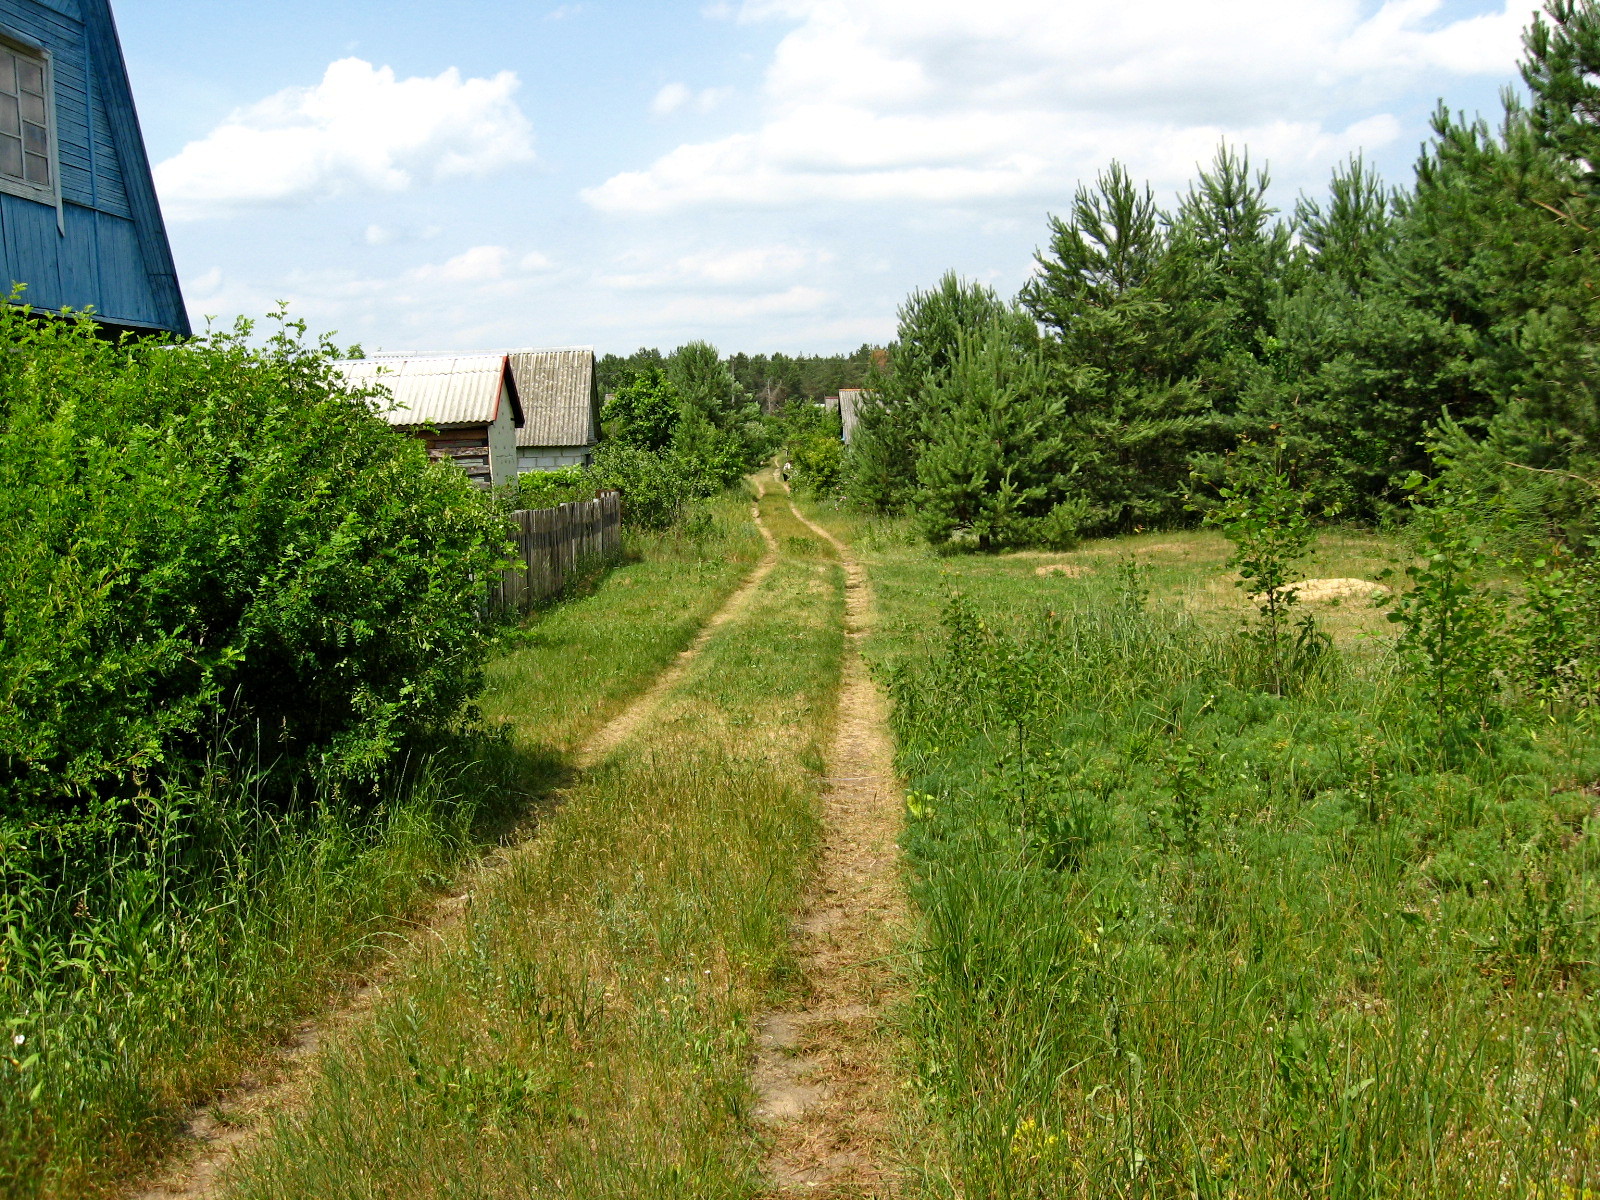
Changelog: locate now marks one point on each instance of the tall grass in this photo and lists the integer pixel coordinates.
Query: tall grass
(148, 960)
(1186, 937)
(151, 952)
(584, 1032)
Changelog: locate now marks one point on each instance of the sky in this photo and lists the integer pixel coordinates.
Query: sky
(768, 175)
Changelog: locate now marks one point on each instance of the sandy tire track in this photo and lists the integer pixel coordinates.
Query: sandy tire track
(221, 1130)
(824, 1074)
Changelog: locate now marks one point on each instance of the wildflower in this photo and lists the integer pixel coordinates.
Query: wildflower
(19, 1039)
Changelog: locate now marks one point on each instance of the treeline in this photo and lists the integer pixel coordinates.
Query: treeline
(681, 427)
(1372, 334)
(774, 381)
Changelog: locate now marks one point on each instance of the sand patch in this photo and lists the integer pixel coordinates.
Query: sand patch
(1322, 591)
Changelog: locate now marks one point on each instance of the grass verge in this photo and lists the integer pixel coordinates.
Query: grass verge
(149, 955)
(585, 1030)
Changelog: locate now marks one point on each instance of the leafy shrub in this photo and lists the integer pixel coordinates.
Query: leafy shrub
(657, 489)
(818, 459)
(547, 489)
(644, 412)
(214, 534)
(1268, 520)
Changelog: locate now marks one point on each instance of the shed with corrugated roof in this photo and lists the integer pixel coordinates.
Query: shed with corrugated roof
(561, 397)
(467, 407)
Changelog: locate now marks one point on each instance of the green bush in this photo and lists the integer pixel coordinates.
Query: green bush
(547, 489)
(214, 535)
(818, 459)
(657, 489)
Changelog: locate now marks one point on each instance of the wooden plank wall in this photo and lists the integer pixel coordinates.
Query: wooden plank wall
(552, 542)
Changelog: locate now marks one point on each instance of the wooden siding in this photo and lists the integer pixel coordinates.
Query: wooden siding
(91, 172)
(468, 448)
(551, 542)
(113, 254)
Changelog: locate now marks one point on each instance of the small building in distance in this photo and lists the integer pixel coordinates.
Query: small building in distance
(849, 410)
(465, 406)
(80, 226)
(561, 397)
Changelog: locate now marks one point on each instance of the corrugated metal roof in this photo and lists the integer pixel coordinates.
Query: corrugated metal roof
(440, 390)
(559, 396)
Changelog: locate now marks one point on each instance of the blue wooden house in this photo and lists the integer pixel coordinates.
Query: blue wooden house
(79, 221)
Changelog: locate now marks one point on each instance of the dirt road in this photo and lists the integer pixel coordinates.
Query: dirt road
(824, 1073)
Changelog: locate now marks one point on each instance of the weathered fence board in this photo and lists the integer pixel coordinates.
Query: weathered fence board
(551, 542)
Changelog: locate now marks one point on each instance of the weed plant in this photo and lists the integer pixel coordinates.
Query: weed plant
(1187, 936)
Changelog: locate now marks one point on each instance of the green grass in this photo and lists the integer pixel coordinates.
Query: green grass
(585, 1031)
(189, 935)
(567, 672)
(1180, 937)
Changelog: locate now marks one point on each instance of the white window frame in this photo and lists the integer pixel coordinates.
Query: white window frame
(50, 195)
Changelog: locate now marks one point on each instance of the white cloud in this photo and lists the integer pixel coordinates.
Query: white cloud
(947, 101)
(701, 311)
(752, 267)
(360, 129)
(470, 299)
(677, 96)
(670, 99)
(564, 11)
(481, 264)
(392, 235)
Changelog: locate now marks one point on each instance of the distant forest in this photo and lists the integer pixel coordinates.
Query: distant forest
(773, 380)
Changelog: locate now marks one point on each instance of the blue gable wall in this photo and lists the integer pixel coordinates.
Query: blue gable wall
(113, 254)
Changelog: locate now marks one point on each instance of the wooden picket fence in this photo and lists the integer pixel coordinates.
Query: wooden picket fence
(551, 542)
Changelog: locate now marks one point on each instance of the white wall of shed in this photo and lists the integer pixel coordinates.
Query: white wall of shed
(503, 443)
(552, 458)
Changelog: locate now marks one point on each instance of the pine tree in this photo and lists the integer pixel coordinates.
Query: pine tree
(1561, 67)
(881, 471)
(986, 473)
(1122, 346)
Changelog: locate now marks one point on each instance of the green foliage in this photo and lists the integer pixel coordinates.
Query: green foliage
(1217, 941)
(214, 536)
(658, 490)
(778, 381)
(1452, 623)
(679, 430)
(1468, 301)
(812, 445)
(1558, 638)
(1561, 69)
(889, 433)
(817, 458)
(152, 952)
(547, 489)
(988, 444)
(644, 412)
(613, 372)
(1268, 520)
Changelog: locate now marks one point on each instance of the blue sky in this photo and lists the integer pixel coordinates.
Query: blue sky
(767, 174)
